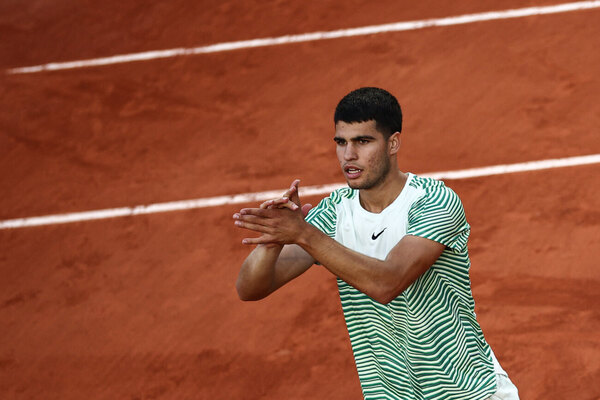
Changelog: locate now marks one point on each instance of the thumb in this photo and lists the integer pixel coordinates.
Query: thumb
(293, 192)
(305, 209)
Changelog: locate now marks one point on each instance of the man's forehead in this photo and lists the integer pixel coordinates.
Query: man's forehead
(354, 129)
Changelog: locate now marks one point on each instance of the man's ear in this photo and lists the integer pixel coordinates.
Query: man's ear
(394, 143)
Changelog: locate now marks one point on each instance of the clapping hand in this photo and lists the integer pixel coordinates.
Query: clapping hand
(290, 199)
(276, 225)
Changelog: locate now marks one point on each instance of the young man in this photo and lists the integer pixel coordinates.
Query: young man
(398, 245)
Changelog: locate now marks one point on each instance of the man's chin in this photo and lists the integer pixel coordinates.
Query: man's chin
(353, 184)
(361, 185)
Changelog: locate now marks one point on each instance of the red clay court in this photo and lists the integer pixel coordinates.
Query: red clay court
(144, 306)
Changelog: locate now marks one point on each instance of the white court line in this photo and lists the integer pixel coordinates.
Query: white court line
(308, 37)
(261, 196)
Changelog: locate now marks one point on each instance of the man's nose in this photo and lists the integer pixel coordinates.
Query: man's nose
(349, 152)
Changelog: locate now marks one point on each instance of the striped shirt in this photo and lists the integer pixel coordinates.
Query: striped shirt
(426, 343)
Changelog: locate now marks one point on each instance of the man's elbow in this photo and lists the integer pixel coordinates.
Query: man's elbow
(384, 294)
(249, 297)
(379, 295)
(246, 295)
(383, 298)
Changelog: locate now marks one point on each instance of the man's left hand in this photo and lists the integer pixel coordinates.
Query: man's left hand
(276, 225)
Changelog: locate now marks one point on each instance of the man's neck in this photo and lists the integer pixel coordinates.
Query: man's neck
(376, 199)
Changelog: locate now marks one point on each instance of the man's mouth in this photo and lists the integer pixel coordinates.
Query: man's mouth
(352, 172)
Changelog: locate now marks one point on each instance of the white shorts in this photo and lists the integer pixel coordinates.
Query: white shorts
(505, 389)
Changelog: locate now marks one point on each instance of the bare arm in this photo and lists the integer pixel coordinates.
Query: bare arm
(383, 280)
(268, 267)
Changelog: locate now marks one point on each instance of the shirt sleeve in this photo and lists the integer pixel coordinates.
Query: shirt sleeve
(439, 216)
(323, 216)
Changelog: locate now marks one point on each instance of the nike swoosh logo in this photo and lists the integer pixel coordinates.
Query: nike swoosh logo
(374, 236)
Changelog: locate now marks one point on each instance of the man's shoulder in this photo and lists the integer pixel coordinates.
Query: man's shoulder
(328, 206)
(341, 194)
(430, 186)
(431, 190)
(426, 184)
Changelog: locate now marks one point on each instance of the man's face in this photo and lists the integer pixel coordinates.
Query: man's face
(363, 154)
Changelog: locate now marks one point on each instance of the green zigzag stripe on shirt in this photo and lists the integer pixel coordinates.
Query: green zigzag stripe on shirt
(426, 343)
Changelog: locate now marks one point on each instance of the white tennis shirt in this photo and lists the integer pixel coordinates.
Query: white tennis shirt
(426, 343)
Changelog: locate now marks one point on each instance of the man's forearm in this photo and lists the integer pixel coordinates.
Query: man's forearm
(369, 275)
(382, 280)
(256, 277)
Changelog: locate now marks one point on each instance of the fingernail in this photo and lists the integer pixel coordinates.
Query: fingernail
(238, 223)
(236, 216)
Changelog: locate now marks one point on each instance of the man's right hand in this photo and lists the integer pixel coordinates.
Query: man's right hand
(290, 199)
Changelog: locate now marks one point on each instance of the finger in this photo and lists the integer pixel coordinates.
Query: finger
(273, 202)
(290, 192)
(295, 195)
(289, 204)
(266, 213)
(253, 219)
(266, 204)
(255, 211)
(284, 202)
(293, 190)
(253, 227)
(280, 202)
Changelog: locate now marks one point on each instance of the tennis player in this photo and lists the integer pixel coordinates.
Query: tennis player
(397, 244)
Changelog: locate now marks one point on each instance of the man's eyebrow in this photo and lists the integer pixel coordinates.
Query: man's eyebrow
(355, 138)
(362, 137)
